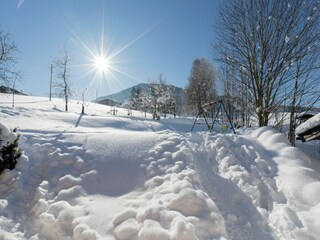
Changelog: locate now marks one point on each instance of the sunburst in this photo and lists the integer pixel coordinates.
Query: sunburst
(103, 65)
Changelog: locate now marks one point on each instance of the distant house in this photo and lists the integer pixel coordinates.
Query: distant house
(109, 102)
(304, 116)
(309, 129)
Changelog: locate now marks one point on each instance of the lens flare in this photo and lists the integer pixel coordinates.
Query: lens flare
(20, 3)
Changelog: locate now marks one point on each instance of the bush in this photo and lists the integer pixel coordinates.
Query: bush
(9, 148)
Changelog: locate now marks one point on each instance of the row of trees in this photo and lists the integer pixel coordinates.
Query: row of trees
(10, 73)
(269, 50)
(158, 98)
(269, 58)
(269, 54)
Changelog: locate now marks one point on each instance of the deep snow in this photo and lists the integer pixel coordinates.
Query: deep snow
(98, 176)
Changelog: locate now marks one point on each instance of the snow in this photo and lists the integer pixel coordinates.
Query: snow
(99, 176)
(287, 39)
(309, 124)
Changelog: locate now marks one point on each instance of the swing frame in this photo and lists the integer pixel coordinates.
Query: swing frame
(201, 111)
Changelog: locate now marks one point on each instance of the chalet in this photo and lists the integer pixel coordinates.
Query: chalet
(304, 116)
(309, 129)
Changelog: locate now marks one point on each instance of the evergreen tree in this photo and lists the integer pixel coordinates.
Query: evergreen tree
(9, 153)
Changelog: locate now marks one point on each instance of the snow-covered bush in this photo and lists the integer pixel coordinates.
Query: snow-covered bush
(9, 148)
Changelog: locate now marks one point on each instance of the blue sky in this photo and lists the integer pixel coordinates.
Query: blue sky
(146, 37)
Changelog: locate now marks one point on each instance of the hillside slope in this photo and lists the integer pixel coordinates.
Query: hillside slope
(98, 176)
(125, 95)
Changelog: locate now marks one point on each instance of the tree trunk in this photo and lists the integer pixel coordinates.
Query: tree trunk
(260, 118)
(155, 111)
(66, 103)
(292, 126)
(265, 118)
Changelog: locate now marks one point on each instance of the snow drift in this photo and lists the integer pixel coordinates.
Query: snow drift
(97, 176)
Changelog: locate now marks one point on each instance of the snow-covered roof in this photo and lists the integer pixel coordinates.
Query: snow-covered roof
(309, 124)
(306, 113)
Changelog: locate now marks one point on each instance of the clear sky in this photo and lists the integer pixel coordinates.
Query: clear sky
(139, 39)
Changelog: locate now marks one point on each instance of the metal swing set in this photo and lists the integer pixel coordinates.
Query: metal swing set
(202, 113)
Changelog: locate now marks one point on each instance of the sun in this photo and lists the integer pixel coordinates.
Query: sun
(101, 64)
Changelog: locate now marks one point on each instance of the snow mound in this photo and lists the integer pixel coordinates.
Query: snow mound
(299, 184)
(97, 176)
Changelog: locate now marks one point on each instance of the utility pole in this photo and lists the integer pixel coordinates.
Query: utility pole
(50, 82)
(82, 111)
(13, 89)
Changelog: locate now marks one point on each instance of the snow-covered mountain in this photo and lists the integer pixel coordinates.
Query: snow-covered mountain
(125, 95)
(100, 176)
(5, 89)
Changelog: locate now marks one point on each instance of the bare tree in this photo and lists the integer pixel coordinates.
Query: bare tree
(157, 98)
(201, 86)
(263, 39)
(140, 100)
(168, 101)
(237, 97)
(8, 60)
(144, 102)
(157, 89)
(136, 98)
(304, 92)
(229, 91)
(62, 85)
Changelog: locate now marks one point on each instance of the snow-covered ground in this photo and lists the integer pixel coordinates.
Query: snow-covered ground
(99, 176)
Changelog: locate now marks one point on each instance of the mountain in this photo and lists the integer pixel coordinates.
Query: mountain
(4, 89)
(125, 95)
